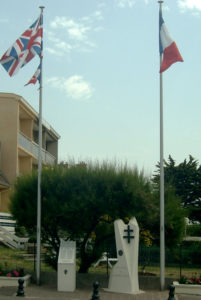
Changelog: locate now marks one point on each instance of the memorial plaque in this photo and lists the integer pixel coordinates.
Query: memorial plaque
(67, 266)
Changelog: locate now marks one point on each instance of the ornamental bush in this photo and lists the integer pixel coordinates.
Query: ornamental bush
(18, 272)
(80, 202)
(191, 280)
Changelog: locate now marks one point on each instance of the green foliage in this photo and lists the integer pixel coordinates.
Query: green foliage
(174, 218)
(191, 280)
(81, 202)
(20, 231)
(191, 253)
(12, 272)
(193, 230)
(183, 280)
(26, 196)
(75, 201)
(146, 238)
(12, 259)
(185, 179)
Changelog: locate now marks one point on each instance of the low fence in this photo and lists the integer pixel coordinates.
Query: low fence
(185, 254)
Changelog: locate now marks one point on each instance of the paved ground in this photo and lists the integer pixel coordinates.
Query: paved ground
(45, 292)
(188, 297)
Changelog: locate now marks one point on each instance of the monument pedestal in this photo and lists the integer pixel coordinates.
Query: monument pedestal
(124, 275)
(66, 281)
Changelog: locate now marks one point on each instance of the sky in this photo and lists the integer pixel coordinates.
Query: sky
(101, 77)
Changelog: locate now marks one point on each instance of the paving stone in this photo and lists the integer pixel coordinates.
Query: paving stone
(44, 292)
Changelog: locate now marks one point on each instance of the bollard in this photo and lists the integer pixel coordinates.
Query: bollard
(171, 293)
(95, 295)
(20, 291)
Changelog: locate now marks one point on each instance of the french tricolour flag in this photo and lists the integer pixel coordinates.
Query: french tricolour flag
(167, 47)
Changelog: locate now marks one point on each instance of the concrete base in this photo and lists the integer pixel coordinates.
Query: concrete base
(132, 293)
(121, 282)
(85, 281)
(190, 289)
(13, 281)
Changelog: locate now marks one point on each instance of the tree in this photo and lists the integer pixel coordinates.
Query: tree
(81, 202)
(174, 218)
(185, 179)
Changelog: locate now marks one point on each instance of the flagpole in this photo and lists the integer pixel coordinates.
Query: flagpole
(38, 249)
(162, 201)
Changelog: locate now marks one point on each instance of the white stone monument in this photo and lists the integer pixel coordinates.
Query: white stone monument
(66, 281)
(124, 275)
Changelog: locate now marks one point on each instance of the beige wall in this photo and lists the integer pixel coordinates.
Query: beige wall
(25, 165)
(5, 201)
(16, 115)
(26, 127)
(26, 119)
(8, 136)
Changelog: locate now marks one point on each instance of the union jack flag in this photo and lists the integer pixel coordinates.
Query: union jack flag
(36, 76)
(24, 49)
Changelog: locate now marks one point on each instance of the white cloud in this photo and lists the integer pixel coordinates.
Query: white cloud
(75, 87)
(53, 51)
(75, 30)
(129, 3)
(68, 34)
(190, 4)
(58, 45)
(98, 15)
(125, 3)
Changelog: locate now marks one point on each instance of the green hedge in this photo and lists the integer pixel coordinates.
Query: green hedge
(193, 230)
(188, 254)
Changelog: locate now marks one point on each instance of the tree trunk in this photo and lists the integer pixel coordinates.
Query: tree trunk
(84, 267)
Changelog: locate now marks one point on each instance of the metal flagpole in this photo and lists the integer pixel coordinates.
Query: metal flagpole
(38, 249)
(162, 202)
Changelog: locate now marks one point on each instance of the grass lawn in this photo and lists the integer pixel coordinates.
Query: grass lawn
(11, 259)
(174, 272)
(170, 272)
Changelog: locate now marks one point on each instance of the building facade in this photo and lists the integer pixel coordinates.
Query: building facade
(19, 135)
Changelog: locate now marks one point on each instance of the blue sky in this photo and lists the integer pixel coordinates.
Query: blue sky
(101, 77)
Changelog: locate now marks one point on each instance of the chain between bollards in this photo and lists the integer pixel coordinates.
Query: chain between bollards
(95, 295)
(171, 293)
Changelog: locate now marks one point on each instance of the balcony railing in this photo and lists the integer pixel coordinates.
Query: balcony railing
(32, 147)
